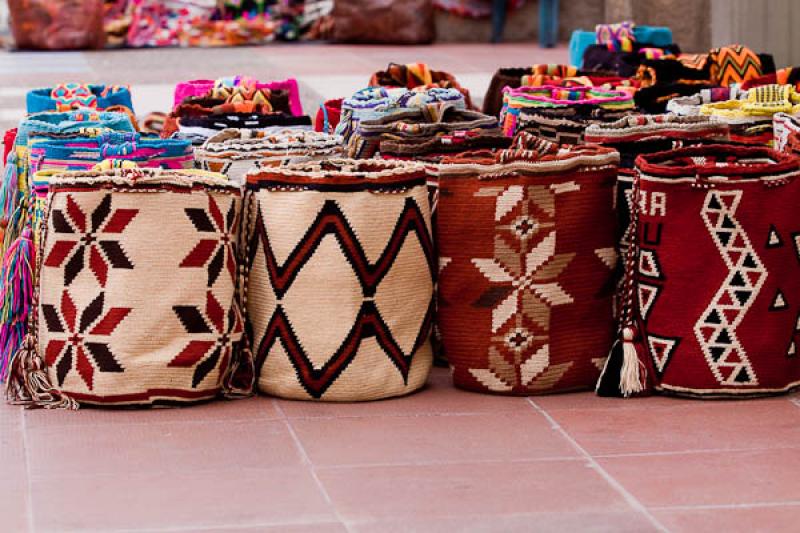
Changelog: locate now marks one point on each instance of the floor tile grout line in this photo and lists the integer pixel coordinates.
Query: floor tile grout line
(613, 483)
(307, 460)
(232, 527)
(406, 415)
(696, 451)
(283, 416)
(28, 479)
(205, 422)
(404, 464)
(721, 506)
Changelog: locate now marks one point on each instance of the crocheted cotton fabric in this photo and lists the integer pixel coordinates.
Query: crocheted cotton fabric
(234, 152)
(340, 279)
(728, 212)
(197, 88)
(786, 129)
(748, 113)
(560, 98)
(69, 96)
(112, 241)
(525, 288)
(83, 151)
(419, 125)
(376, 102)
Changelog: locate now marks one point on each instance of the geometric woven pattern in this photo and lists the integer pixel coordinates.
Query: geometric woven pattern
(339, 281)
(525, 295)
(121, 320)
(733, 64)
(717, 273)
(716, 329)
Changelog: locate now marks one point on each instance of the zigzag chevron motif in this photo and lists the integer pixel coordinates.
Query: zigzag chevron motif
(369, 323)
(716, 328)
(737, 64)
(331, 221)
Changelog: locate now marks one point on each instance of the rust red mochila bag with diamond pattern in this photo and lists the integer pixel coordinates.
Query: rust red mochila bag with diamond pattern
(135, 302)
(713, 309)
(526, 266)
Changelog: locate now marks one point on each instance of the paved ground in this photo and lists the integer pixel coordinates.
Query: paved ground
(440, 460)
(323, 71)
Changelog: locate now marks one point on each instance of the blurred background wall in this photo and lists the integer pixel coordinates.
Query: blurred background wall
(689, 20)
(697, 25)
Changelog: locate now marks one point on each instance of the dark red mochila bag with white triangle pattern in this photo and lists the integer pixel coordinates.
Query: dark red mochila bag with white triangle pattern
(712, 292)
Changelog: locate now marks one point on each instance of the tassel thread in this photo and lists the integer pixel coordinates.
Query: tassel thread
(16, 295)
(29, 385)
(633, 372)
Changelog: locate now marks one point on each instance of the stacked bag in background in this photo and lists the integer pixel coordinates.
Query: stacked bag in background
(204, 107)
(234, 152)
(415, 77)
(561, 114)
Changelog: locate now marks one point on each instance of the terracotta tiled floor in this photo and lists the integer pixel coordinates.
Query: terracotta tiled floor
(440, 460)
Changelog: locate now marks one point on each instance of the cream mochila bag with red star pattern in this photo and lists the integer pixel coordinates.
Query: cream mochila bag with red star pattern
(134, 299)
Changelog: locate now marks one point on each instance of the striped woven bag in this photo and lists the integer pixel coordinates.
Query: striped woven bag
(233, 152)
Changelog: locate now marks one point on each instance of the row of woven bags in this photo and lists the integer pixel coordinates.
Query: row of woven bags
(613, 249)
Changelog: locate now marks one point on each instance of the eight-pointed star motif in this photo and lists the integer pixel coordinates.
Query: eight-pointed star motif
(216, 330)
(77, 342)
(218, 248)
(81, 235)
(529, 285)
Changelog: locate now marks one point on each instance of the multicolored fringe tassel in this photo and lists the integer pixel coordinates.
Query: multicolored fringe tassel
(16, 295)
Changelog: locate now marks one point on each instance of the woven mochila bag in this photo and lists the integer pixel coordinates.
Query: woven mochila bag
(134, 300)
(199, 128)
(527, 257)
(435, 149)
(15, 178)
(420, 125)
(247, 111)
(233, 152)
(339, 282)
(418, 75)
(712, 290)
(747, 113)
(634, 135)
(547, 75)
(511, 77)
(83, 151)
(71, 96)
(786, 133)
(561, 113)
(225, 87)
(377, 102)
